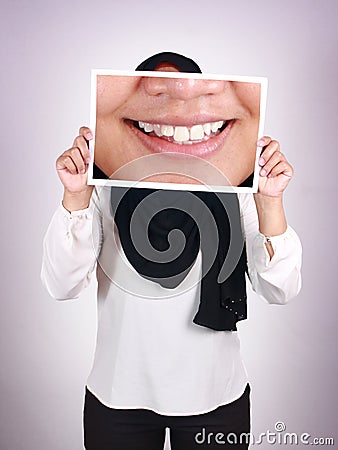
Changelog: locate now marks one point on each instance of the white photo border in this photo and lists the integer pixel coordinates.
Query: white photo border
(263, 81)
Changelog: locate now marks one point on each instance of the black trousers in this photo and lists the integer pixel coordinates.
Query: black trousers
(141, 429)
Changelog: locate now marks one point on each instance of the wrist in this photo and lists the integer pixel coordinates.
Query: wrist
(271, 215)
(75, 201)
(268, 201)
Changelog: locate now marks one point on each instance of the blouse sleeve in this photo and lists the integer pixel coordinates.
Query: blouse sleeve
(277, 279)
(70, 249)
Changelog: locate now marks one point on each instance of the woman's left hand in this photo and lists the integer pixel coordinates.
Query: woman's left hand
(275, 172)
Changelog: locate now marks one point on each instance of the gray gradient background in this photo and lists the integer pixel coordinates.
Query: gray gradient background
(47, 51)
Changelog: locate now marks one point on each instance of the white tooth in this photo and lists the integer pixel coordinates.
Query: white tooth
(181, 134)
(148, 127)
(196, 132)
(141, 124)
(157, 130)
(207, 128)
(220, 124)
(167, 130)
(214, 126)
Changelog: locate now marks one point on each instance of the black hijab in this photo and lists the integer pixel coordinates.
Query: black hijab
(206, 220)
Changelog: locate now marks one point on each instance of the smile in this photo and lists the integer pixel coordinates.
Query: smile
(181, 134)
(198, 139)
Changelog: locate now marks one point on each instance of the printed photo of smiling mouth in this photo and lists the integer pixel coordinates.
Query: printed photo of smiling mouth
(171, 117)
(198, 139)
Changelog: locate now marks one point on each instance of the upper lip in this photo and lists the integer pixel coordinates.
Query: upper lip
(183, 121)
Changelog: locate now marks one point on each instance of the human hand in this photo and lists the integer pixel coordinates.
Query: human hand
(275, 172)
(72, 167)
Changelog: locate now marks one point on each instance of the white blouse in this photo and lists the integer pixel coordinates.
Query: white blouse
(149, 353)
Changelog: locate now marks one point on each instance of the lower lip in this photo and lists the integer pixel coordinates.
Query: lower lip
(202, 149)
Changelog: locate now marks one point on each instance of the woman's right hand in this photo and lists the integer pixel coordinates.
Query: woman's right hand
(72, 168)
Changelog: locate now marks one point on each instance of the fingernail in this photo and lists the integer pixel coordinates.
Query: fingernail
(262, 172)
(88, 135)
(82, 171)
(260, 142)
(261, 161)
(87, 160)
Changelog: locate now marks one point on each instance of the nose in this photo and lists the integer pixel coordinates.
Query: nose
(182, 88)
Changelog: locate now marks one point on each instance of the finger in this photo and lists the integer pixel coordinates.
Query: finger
(282, 167)
(81, 143)
(264, 141)
(76, 155)
(271, 163)
(66, 162)
(268, 151)
(86, 132)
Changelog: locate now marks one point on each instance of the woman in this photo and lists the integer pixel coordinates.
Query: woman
(168, 355)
